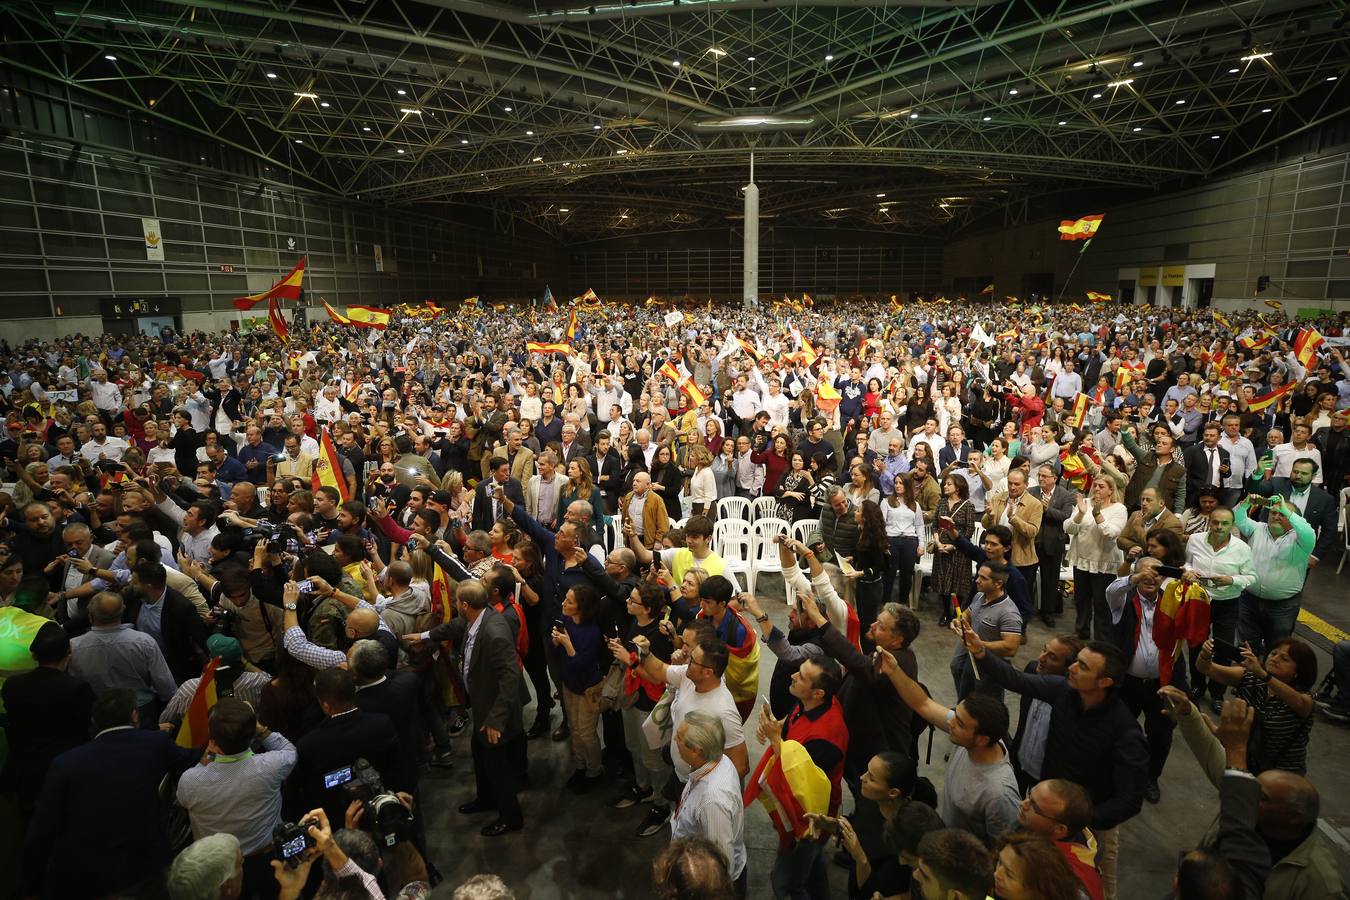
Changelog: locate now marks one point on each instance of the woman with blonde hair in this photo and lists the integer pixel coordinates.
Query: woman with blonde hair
(580, 487)
(460, 499)
(702, 484)
(1094, 556)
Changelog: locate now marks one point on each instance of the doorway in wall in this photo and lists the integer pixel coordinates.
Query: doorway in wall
(1202, 289)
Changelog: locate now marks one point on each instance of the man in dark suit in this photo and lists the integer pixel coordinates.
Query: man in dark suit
(48, 713)
(606, 471)
(485, 654)
(1059, 500)
(487, 505)
(1334, 444)
(345, 735)
(380, 689)
(171, 619)
(956, 451)
(1315, 504)
(1207, 463)
(1058, 652)
(96, 830)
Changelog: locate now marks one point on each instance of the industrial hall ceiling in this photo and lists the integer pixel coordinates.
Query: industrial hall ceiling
(638, 116)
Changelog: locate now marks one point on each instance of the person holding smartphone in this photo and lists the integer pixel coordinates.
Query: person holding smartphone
(1222, 564)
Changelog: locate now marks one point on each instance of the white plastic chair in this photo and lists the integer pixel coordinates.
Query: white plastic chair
(598, 551)
(678, 523)
(733, 508)
(765, 508)
(765, 551)
(614, 532)
(737, 551)
(1345, 527)
(806, 530)
(725, 530)
(923, 570)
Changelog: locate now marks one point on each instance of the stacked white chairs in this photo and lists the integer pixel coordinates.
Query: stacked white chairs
(733, 508)
(765, 508)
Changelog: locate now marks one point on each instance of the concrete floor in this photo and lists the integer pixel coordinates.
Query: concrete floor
(576, 847)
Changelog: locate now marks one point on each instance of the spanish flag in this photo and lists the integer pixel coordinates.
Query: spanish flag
(328, 467)
(1306, 344)
(1251, 341)
(895, 303)
(1080, 229)
(827, 398)
(988, 290)
(1273, 304)
(277, 320)
(1265, 400)
(1078, 412)
(571, 323)
(1181, 619)
(684, 382)
(550, 305)
(287, 288)
(588, 297)
(1074, 307)
(193, 732)
(335, 315)
(1098, 297)
(789, 786)
(368, 316)
(471, 301)
(806, 301)
(1223, 320)
(1128, 372)
(541, 347)
(749, 349)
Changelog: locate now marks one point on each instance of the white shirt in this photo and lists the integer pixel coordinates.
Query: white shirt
(711, 807)
(776, 405)
(716, 702)
(1145, 661)
(1241, 459)
(106, 395)
(112, 448)
(1285, 454)
(901, 521)
(1234, 559)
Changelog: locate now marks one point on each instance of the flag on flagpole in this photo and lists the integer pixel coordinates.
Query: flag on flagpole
(335, 315)
(1074, 307)
(1078, 412)
(1250, 341)
(1098, 297)
(988, 290)
(471, 301)
(193, 732)
(1127, 372)
(588, 297)
(790, 786)
(288, 288)
(1080, 229)
(684, 381)
(1223, 320)
(571, 323)
(550, 305)
(328, 467)
(1306, 344)
(827, 398)
(277, 320)
(1265, 400)
(748, 348)
(979, 335)
(541, 347)
(895, 303)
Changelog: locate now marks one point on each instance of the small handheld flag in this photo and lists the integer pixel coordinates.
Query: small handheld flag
(287, 288)
(1098, 297)
(1080, 229)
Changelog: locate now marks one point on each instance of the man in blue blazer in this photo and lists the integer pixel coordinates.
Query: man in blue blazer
(97, 826)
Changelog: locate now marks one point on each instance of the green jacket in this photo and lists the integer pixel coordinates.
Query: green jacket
(1309, 871)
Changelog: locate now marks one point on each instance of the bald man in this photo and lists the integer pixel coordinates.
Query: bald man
(362, 622)
(110, 657)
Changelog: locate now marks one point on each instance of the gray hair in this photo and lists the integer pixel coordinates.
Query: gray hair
(368, 659)
(360, 849)
(705, 732)
(483, 887)
(582, 509)
(75, 529)
(622, 556)
(106, 608)
(200, 870)
(479, 542)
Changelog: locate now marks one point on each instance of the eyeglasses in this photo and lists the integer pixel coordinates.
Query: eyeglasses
(1031, 804)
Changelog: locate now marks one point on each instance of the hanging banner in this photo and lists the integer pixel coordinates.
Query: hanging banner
(379, 258)
(154, 240)
(1173, 276)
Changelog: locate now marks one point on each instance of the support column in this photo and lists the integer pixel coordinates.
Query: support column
(750, 261)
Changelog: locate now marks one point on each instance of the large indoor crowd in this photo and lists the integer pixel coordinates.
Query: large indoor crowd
(252, 591)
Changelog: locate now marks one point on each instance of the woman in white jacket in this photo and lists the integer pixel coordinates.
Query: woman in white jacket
(1094, 556)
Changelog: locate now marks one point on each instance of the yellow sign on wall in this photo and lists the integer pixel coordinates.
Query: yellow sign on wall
(1148, 276)
(1173, 276)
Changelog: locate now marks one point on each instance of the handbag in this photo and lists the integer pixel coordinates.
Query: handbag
(612, 690)
(656, 728)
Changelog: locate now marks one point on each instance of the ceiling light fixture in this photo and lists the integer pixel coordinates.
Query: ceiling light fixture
(1213, 137)
(537, 159)
(1137, 63)
(407, 111)
(399, 151)
(463, 140)
(1331, 78)
(829, 57)
(749, 59)
(563, 209)
(595, 128)
(622, 151)
(271, 74)
(1137, 128)
(365, 127)
(508, 109)
(1254, 55)
(529, 133)
(402, 92)
(1063, 122)
(675, 63)
(1012, 91)
(623, 215)
(913, 115)
(879, 196)
(1096, 96)
(298, 141)
(1266, 110)
(307, 95)
(1234, 71)
(988, 118)
(717, 51)
(324, 104)
(752, 89)
(109, 57)
(1121, 83)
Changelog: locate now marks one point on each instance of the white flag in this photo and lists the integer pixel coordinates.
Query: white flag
(978, 334)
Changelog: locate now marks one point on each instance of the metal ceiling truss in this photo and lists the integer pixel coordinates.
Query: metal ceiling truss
(616, 111)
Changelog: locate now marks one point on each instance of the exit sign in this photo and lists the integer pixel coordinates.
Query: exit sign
(227, 268)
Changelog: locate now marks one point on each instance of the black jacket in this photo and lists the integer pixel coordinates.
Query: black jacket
(397, 697)
(1102, 748)
(182, 629)
(877, 717)
(1197, 470)
(494, 671)
(481, 515)
(48, 712)
(336, 742)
